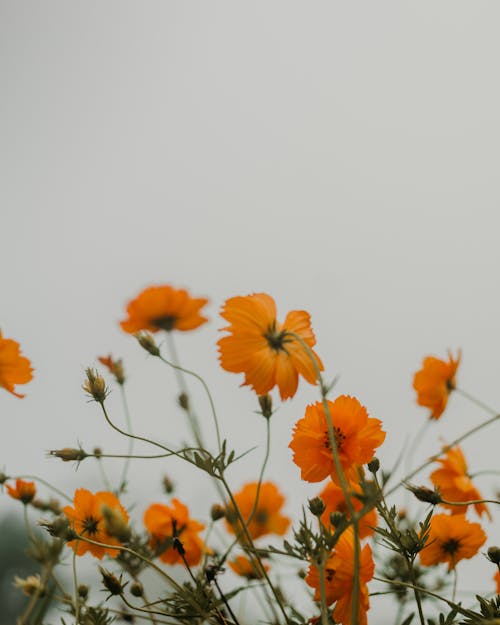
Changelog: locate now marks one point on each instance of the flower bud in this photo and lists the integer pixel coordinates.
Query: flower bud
(136, 589)
(183, 400)
(266, 405)
(168, 485)
(217, 512)
(95, 386)
(374, 465)
(58, 527)
(83, 591)
(147, 342)
(68, 454)
(427, 495)
(115, 524)
(494, 555)
(337, 518)
(3, 477)
(111, 582)
(316, 506)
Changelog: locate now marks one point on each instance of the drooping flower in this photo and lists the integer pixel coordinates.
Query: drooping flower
(454, 483)
(243, 567)
(87, 519)
(167, 524)
(451, 539)
(334, 500)
(434, 383)
(14, 368)
(339, 579)
(356, 434)
(265, 350)
(24, 491)
(164, 308)
(267, 518)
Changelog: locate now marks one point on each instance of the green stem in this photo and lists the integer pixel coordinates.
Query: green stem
(469, 503)
(128, 420)
(476, 401)
(75, 584)
(322, 592)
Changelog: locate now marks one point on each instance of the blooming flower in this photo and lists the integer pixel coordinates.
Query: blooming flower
(451, 539)
(434, 383)
(164, 308)
(267, 518)
(265, 350)
(164, 523)
(87, 520)
(14, 368)
(24, 491)
(339, 579)
(334, 500)
(243, 567)
(357, 436)
(454, 483)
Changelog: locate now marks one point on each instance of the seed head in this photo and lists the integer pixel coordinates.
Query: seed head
(95, 386)
(147, 342)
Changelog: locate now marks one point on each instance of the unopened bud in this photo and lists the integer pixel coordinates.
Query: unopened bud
(266, 405)
(136, 589)
(83, 591)
(494, 554)
(183, 400)
(115, 524)
(374, 465)
(111, 582)
(316, 506)
(337, 518)
(147, 342)
(3, 477)
(427, 495)
(69, 454)
(168, 485)
(95, 386)
(58, 527)
(52, 505)
(97, 451)
(217, 512)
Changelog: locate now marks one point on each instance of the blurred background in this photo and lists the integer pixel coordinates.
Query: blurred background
(342, 157)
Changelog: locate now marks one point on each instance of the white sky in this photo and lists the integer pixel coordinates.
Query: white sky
(342, 157)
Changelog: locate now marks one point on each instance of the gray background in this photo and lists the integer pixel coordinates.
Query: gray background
(341, 156)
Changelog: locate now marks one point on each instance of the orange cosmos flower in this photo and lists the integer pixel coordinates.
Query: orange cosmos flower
(164, 523)
(87, 519)
(262, 348)
(434, 382)
(164, 308)
(24, 491)
(14, 368)
(451, 539)
(334, 500)
(339, 578)
(243, 567)
(357, 436)
(267, 518)
(454, 483)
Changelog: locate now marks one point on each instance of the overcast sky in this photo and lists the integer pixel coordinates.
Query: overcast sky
(341, 156)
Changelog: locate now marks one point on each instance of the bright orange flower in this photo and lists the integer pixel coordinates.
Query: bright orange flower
(334, 500)
(357, 436)
(267, 518)
(496, 579)
(164, 308)
(264, 349)
(454, 483)
(115, 367)
(339, 578)
(434, 383)
(14, 368)
(87, 519)
(451, 539)
(24, 491)
(164, 523)
(242, 566)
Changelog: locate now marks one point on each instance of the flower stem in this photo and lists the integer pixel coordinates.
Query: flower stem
(130, 450)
